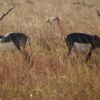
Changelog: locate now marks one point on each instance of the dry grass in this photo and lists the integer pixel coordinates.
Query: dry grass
(50, 75)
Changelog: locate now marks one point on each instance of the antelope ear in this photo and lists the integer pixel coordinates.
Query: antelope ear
(96, 36)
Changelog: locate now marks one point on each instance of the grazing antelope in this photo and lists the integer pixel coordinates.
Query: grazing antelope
(52, 19)
(81, 38)
(19, 40)
(82, 41)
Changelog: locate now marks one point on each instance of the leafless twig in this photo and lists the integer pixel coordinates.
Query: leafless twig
(7, 12)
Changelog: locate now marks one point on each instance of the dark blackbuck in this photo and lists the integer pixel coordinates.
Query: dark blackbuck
(19, 39)
(83, 38)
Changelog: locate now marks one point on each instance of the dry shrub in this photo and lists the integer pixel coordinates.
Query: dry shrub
(50, 74)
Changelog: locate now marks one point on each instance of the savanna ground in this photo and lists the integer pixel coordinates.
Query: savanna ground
(50, 75)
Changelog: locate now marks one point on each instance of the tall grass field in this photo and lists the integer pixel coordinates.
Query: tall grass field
(50, 74)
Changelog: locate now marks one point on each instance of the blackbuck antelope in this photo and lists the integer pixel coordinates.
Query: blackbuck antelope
(82, 38)
(80, 41)
(19, 40)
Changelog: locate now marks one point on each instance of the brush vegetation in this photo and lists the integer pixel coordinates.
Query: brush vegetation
(49, 75)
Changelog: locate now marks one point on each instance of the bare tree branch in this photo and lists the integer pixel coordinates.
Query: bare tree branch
(7, 12)
(98, 13)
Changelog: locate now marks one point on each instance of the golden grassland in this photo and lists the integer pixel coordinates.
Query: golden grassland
(50, 75)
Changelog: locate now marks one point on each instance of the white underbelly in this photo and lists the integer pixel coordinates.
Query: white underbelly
(7, 46)
(82, 47)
